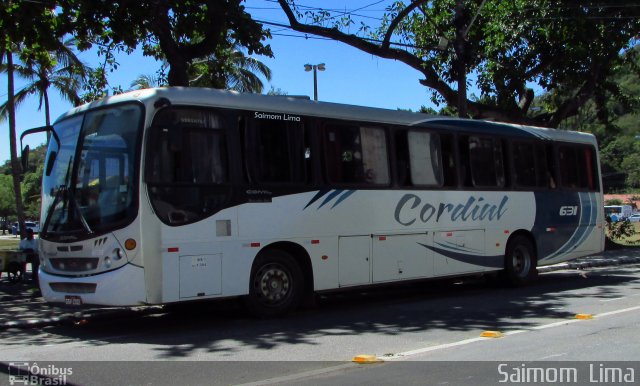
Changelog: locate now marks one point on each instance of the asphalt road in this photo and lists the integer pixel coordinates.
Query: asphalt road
(429, 333)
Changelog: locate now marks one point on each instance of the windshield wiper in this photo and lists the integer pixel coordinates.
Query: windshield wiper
(71, 199)
(83, 220)
(56, 199)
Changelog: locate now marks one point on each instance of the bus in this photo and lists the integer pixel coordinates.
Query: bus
(178, 194)
(618, 212)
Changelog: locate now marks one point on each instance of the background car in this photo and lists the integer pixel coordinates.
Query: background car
(635, 217)
(15, 228)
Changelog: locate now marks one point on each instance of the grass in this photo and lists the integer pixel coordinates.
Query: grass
(11, 243)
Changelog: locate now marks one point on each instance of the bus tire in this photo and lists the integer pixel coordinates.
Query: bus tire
(520, 262)
(276, 284)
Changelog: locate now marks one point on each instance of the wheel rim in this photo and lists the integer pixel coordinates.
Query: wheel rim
(521, 261)
(273, 284)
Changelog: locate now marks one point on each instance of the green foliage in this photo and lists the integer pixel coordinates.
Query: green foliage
(276, 91)
(176, 30)
(59, 69)
(7, 198)
(31, 185)
(620, 229)
(613, 201)
(229, 68)
(507, 46)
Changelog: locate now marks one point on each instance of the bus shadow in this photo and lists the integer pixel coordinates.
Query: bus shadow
(222, 329)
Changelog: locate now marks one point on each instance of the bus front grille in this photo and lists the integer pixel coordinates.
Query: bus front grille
(81, 264)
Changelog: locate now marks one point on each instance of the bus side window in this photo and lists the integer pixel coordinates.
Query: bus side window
(356, 155)
(449, 174)
(419, 158)
(551, 173)
(276, 151)
(578, 167)
(486, 162)
(528, 165)
(403, 171)
(187, 182)
(464, 165)
(590, 168)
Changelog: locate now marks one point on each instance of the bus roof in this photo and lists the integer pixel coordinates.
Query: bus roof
(206, 97)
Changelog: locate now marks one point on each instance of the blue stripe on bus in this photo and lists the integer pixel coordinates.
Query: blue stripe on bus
(588, 217)
(343, 197)
(453, 247)
(318, 196)
(330, 195)
(478, 260)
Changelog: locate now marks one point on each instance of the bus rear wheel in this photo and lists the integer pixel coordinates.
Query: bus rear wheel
(520, 262)
(276, 284)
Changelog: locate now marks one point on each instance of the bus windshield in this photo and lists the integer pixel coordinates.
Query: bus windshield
(89, 180)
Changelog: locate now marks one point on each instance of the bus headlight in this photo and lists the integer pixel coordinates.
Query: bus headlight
(116, 254)
(107, 262)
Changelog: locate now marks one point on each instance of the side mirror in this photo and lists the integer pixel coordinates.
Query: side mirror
(25, 151)
(25, 158)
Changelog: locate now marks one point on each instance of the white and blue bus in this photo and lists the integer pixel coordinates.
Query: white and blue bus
(177, 194)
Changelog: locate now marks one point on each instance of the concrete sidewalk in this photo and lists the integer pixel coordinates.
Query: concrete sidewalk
(22, 306)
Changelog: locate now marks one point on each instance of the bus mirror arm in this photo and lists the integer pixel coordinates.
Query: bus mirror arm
(25, 150)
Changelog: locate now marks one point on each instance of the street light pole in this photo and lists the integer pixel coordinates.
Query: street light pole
(315, 68)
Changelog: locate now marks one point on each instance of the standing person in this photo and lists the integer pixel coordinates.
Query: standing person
(30, 246)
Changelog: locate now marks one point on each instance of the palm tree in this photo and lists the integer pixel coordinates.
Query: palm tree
(60, 69)
(229, 69)
(15, 165)
(146, 81)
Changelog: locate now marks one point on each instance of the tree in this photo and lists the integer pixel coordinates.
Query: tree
(176, 30)
(508, 45)
(146, 81)
(30, 186)
(23, 24)
(60, 69)
(7, 198)
(229, 69)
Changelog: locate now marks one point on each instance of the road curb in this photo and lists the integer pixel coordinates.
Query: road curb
(626, 260)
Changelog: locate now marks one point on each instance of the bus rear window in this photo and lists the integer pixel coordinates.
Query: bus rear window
(578, 167)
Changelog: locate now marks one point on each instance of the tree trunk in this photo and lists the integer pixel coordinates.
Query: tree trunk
(47, 115)
(460, 65)
(15, 164)
(178, 72)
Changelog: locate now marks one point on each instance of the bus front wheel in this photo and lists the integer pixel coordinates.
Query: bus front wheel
(276, 284)
(520, 262)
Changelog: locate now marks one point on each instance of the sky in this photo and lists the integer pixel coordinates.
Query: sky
(351, 76)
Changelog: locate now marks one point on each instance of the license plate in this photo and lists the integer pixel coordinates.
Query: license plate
(73, 300)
